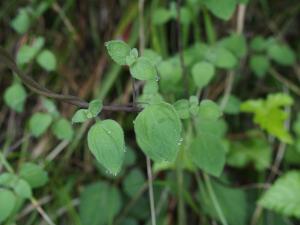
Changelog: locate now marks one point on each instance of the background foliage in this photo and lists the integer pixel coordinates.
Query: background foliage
(208, 90)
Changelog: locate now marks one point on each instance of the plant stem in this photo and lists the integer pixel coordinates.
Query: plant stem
(151, 194)
(148, 161)
(180, 208)
(41, 211)
(231, 74)
(214, 199)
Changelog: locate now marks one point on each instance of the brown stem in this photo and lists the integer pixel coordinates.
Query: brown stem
(37, 88)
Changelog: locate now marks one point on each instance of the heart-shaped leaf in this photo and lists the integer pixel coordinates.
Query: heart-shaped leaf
(106, 142)
(158, 132)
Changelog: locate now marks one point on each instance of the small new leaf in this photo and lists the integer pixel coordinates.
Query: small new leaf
(95, 108)
(118, 50)
(80, 116)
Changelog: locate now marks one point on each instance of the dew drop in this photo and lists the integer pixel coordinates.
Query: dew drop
(157, 78)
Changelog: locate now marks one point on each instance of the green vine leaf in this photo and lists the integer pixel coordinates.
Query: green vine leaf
(106, 142)
(33, 174)
(23, 189)
(269, 115)
(62, 129)
(118, 50)
(39, 123)
(282, 54)
(95, 108)
(46, 59)
(7, 203)
(15, 97)
(80, 116)
(259, 64)
(202, 73)
(158, 132)
(283, 196)
(221, 9)
(100, 195)
(142, 69)
(207, 153)
(182, 107)
(209, 110)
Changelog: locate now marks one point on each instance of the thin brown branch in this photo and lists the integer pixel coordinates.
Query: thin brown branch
(37, 88)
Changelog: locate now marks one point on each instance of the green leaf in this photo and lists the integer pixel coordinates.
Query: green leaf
(233, 105)
(118, 50)
(185, 15)
(221, 58)
(269, 115)
(259, 64)
(62, 129)
(142, 69)
(207, 153)
(8, 179)
(209, 110)
(28, 52)
(95, 108)
(233, 203)
(15, 97)
(80, 116)
(33, 174)
(236, 43)
(150, 87)
(106, 142)
(202, 73)
(169, 71)
(152, 56)
(253, 150)
(161, 16)
(7, 203)
(50, 106)
(158, 132)
(100, 195)
(46, 59)
(282, 54)
(182, 108)
(22, 21)
(39, 123)
(258, 44)
(23, 189)
(283, 196)
(221, 9)
(133, 182)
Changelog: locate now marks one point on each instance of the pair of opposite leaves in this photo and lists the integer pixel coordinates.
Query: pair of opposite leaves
(158, 132)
